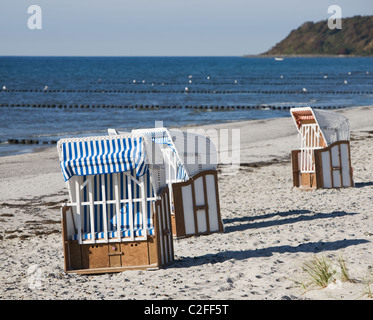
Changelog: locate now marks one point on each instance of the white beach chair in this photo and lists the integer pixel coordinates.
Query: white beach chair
(191, 175)
(118, 216)
(323, 160)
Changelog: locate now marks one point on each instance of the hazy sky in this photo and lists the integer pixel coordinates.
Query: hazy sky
(159, 27)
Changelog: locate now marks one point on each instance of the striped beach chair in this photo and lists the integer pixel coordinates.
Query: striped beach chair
(118, 217)
(191, 176)
(323, 160)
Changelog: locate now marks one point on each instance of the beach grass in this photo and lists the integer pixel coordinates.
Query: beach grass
(322, 271)
(319, 271)
(345, 277)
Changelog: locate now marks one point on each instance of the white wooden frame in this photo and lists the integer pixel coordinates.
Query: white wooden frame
(310, 140)
(76, 185)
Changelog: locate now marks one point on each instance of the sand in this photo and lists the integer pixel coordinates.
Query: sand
(271, 229)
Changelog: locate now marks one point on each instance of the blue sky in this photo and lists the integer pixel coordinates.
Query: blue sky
(159, 27)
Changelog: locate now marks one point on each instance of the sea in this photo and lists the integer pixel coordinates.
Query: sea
(44, 99)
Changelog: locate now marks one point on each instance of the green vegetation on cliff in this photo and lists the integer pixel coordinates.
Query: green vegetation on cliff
(355, 38)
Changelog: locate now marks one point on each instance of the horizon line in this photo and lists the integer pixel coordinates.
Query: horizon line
(124, 56)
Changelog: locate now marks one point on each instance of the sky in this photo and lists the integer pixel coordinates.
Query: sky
(158, 27)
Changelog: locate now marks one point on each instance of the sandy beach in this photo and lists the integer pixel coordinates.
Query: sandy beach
(271, 229)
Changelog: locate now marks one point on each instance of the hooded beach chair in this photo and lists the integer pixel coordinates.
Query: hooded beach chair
(118, 216)
(191, 175)
(323, 160)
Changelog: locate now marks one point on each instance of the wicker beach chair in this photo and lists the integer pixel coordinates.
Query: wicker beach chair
(118, 216)
(323, 160)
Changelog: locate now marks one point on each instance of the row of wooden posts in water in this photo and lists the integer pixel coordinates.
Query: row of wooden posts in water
(155, 107)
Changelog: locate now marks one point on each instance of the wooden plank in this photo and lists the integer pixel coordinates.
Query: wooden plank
(163, 233)
(319, 170)
(114, 253)
(206, 207)
(212, 198)
(112, 270)
(98, 255)
(312, 180)
(158, 227)
(179, 211)
(164, 228)
(340, 164)
(305, 180)
(153, 251)
(173, 225)
(74, 255)
(135, 253)
(167, 232)
(221, 226)
(331, 166)
(171, 254)
(295, 167)
(194, 207)
(64, 209)
(350, 165)
(189, 215)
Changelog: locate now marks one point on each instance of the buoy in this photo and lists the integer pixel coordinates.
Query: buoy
(345, 82)
(45, 88)
(186, 89)
(4, 88)
(304, 90)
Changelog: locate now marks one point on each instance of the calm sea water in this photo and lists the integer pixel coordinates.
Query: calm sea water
(48, 98)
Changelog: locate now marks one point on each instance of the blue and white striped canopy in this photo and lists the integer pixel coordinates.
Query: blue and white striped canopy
(101, 155)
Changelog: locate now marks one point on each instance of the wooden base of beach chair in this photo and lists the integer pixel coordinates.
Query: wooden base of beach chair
(103, 257)
(332, 168)
(196, 203)
(110, 257)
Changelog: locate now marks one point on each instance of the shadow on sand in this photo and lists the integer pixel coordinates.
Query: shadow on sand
(363, 184)
(310, 247)
(263, 224)
(248, 223)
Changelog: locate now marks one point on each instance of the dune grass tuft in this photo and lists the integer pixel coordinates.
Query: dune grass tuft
(320, 272)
